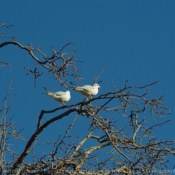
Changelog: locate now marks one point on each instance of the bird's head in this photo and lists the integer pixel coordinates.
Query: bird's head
(97, 85)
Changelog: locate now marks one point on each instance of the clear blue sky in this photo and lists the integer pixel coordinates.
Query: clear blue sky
(134, 39)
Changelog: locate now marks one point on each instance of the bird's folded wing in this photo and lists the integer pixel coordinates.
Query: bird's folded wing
(57, 95)
(60, 93)
(86, 90)
(88, 86)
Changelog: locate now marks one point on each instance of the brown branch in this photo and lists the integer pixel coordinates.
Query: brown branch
(96, 78)
(35, 135)
(80, 144)
(28, 49)
(89, 151)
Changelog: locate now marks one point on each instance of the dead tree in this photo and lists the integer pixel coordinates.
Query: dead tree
(132, 149)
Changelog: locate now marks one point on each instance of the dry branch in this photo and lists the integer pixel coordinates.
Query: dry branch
(132, 149)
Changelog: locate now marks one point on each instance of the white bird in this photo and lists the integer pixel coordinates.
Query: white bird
(59, 96)
(87, 90)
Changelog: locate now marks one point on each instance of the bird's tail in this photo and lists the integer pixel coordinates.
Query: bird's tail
(46, 89)
(74, 86)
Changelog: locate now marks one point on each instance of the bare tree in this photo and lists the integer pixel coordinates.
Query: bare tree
(129, 149)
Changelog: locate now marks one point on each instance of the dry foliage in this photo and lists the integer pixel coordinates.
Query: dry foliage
(132, 149)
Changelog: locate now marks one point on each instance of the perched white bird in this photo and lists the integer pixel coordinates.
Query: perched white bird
(87, 90)
(59, 96)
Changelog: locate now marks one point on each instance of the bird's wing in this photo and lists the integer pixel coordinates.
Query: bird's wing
(87, 91)
(59, 93)
(88, 88)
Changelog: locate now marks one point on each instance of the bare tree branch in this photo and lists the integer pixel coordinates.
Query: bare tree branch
(131, 147)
